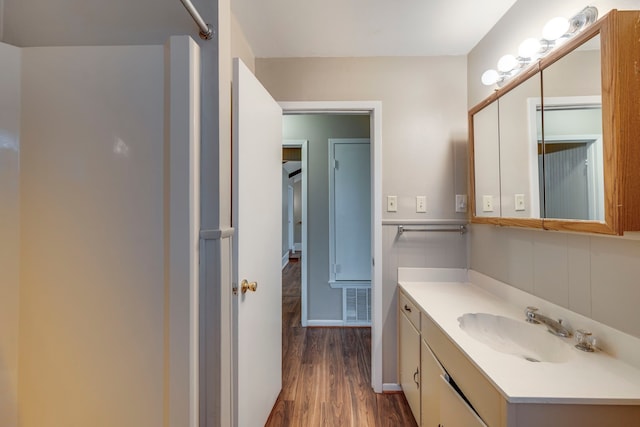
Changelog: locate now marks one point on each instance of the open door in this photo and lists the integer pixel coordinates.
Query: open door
(257, 273)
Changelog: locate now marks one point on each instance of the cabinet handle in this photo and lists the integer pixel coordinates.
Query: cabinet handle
(414, 377)
(407, 308)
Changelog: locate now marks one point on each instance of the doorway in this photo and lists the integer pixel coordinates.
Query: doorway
(373, 110)
(302, 146)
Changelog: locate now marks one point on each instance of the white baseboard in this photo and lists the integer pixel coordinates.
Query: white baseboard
(391, 387)
(285, 260)
(298, 247)
(326, 323)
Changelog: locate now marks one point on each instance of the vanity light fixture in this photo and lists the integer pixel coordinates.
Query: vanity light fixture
(555, 32)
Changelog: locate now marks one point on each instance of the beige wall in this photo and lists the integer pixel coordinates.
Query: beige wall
(10, 58)
(424, 135)
(592, 275)
(240, 46)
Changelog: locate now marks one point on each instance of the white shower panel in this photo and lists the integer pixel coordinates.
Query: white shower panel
(9, 231)
(98, 338)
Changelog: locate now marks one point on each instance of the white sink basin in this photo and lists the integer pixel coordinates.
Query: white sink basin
(515, 337)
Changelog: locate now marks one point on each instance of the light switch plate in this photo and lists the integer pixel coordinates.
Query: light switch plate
(421, 204)
(519, 202)
(392, 204)
(461, 202)
(487, 203)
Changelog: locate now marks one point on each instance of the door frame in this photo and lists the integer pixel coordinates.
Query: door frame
(374, 109)
(303, 145)
(290, 219)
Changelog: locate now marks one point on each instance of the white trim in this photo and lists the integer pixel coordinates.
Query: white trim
(183, 84)
(391, 387)
(285, 259)
(302, 247)
(374, 108)
(340, 284)
(298, 245)
(290, 218)
(325, 323)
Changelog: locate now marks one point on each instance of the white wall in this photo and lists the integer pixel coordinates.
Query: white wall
(92, 314)
(424, 136)
(593, 275)
(9, 231)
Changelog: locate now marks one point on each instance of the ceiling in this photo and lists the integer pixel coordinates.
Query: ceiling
(338, 28)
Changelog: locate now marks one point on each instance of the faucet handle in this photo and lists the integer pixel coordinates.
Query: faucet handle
(530, 312)
(585, 341)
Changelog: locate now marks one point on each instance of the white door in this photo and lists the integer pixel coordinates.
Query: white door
(257, 219)
(350, 210)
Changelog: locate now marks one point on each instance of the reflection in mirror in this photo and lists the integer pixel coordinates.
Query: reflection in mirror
(486, 151)
(518, 159)
(569, 136)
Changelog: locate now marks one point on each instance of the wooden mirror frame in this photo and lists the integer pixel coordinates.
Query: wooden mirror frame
(620, 51)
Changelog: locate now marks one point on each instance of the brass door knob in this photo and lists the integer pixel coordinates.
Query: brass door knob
(246, 286)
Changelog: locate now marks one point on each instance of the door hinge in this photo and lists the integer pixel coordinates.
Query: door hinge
(335, 164)
(336, 268)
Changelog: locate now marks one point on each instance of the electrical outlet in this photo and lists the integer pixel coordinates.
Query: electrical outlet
(461, 202)
(392, 204)
(519, 202)
(487, 203)
(421, 204)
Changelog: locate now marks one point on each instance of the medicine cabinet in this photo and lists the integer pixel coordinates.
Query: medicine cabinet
(558, 146)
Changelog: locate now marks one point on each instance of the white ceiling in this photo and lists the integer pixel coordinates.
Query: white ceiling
(334, 28)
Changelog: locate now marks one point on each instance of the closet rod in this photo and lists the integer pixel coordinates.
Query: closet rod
(460, 229)
(206, 31)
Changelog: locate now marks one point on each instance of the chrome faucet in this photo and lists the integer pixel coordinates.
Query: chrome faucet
(554, 326)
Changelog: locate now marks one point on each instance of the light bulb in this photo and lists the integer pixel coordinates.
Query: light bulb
(529, 48)
(490, 77)
(507, 63)
(555, 28)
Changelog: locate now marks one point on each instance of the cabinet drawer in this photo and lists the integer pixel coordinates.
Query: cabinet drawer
(410, 310)
(454, 411)
(482, 395)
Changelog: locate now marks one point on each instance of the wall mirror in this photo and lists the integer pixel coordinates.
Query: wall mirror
(519, 184)
(569, 132)
(556, 147)
(486, 155)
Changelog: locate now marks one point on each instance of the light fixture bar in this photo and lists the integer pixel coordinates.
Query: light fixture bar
(554, 33)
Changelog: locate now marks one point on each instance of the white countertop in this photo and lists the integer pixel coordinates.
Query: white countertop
(585, 378)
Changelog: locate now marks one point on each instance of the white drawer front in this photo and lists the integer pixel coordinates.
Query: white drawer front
(410, 310)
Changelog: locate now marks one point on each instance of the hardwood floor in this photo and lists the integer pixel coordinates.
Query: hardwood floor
(326, 373)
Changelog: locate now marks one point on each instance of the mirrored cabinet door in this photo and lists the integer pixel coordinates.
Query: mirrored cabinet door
(486, 154)
(571, 160)
(519, 181)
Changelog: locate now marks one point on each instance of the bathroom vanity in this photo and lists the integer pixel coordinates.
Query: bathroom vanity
(516, 375)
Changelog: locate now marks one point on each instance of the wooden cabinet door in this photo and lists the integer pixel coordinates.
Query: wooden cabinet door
(410, 364)
(430, 387)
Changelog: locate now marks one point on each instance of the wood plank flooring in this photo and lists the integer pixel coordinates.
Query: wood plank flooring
(326, 373)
